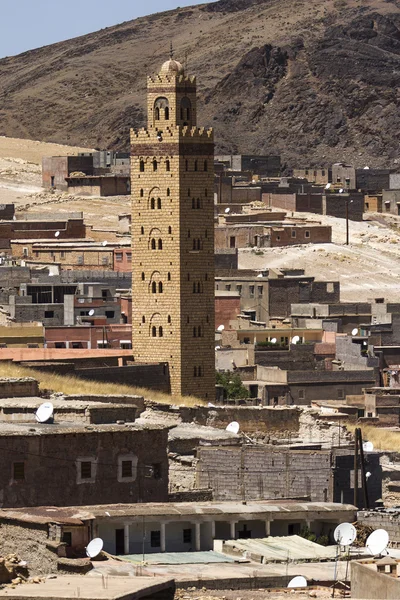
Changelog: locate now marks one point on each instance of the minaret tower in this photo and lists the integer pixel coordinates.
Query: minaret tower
(172, 173)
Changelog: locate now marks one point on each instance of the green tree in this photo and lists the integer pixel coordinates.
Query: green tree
(232, 384)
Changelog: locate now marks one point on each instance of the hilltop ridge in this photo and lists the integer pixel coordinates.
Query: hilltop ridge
(314, 81)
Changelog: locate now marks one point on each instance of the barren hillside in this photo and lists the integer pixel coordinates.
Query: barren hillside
(315, 80)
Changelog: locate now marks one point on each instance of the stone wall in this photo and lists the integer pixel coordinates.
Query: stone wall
(280, 422)
(18, 388)
(29, 543)
(389, 520)
(367, 584)
(52, 468)
(261, 473)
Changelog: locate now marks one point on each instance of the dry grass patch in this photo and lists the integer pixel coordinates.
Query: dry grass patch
(382, 439)
(72, 385)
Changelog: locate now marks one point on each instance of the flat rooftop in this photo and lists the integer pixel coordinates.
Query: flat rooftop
(92, 588)
(34, 428)
(179, 510)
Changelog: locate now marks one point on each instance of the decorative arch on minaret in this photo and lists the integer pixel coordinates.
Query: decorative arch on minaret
(161, 110)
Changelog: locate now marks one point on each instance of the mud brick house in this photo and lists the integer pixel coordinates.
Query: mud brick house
(383, 404)
(262, 235)
(262, 165)
(391, 201)
(56, 169)
(317, 175)
(373, 180)
(290, 386)
(68, 463)
(272, 295)
(73, 254)
(344, 175)
(99, 185)
(251, 473)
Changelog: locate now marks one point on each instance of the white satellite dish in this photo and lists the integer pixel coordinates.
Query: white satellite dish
(296, 339)
(298, 582)
(260, 275)
(273, 341)
(57, 233)
(354, 331)
(227, 210)
(377, 542)
(368, 447)
(105, 243)
(211, 405)
(345, 534)
(341, 191)
(44, 413)
(91, 312)
(328, 185)
(220, 327)
(94, 548)
(218, 347)
(233, 427)
(366, 168)
(368, 474)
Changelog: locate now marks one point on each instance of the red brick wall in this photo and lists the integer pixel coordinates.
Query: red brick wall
(226, 309)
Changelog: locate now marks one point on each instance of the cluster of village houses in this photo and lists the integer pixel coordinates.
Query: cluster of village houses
(205, 487)
(66, 305)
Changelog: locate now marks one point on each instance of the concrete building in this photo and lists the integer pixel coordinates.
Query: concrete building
(317, 175)
(273, 294)
(391, 201)
(262, 235)
(262, 165)
(99, 185)
(182, 527)
(72, 254)
(173, 235)
(375, 578)
(344, 175)
(56, 169)
(106, 336)
(251, 472)
(373, 180)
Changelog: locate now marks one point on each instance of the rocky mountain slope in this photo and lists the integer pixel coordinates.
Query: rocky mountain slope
(315, 80)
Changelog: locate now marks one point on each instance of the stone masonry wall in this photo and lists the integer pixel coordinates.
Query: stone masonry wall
(280, 422)
(260, 473)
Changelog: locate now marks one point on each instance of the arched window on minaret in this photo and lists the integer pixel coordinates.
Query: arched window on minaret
(186, 111)
(161, 106)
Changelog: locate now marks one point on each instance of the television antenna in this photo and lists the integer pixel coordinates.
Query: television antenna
(91, 312)
(354, 331)
(377, 542)
(233, 427)
(44, 413)
(273, 341)
(298, 582)
(220, 327)
(344, 535)
(227, 210)
(328, 185)
(341, 191)
(296, 339)
(57, 233)
(94, 548)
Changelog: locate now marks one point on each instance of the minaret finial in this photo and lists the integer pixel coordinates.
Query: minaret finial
(171, 51)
